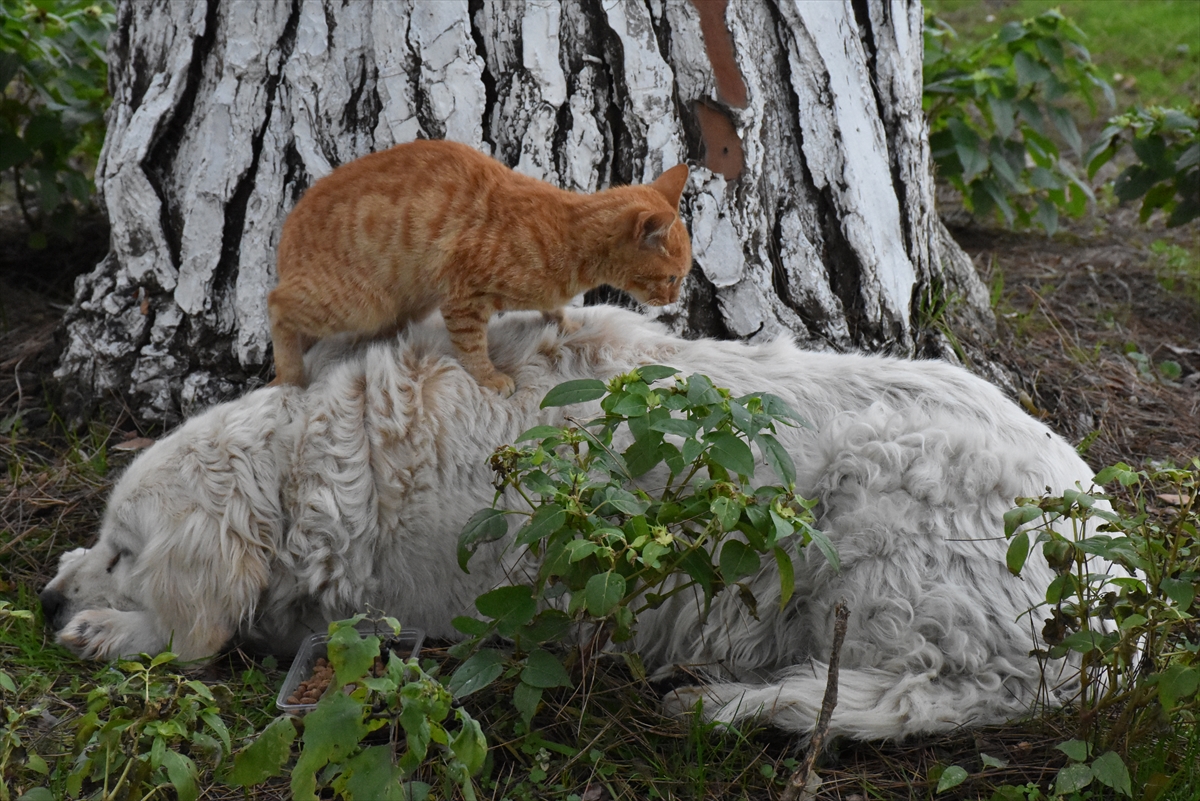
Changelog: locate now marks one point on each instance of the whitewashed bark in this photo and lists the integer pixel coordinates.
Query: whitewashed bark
(224, 111)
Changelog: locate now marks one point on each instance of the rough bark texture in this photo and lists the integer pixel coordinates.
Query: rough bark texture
(811, 202)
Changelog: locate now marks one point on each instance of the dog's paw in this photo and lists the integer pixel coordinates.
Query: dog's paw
(682, 701)
(108, 634)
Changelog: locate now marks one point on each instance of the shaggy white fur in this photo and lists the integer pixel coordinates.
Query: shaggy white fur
(264, 517)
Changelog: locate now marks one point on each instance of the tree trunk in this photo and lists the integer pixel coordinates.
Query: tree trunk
(810, 206)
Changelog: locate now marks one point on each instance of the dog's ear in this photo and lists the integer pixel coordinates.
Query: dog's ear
(212, 540)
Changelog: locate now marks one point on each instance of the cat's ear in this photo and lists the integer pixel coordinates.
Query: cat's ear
(652, 227)
(671, 183)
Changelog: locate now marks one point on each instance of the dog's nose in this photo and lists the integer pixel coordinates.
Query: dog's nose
(52, 602)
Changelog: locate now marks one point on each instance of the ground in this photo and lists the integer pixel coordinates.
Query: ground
(1098, 334)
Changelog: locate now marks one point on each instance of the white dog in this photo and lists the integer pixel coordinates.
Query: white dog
(263, 517)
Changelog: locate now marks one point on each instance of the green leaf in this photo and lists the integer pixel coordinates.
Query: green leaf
(351, 654)
(549, 625)
(182, 773)
(470, 625)
(1076, 750)
(990, 761)
(540, 432)
(510, 607)
(674, 425)
(37, 794)
(697, 565)
(726, 512)
(1065, 124)
(569, 392)
(630, 405)
(265, 757)
(603, 592)
(581, 549)
(738, 560)
(1120, 471)
(1109, 769)
(526, 698)
(642, 456)
(1028, 69)
(1176, 682)
(701, 391)
(778, 458)
(1015, 518)
(778, 408)
(1003, 114)
(826, 547)
(470, 746)
(1073, 778)
(1047, 216)
(215, 723)
(36, 764)
(621, 501)
(7, 683)
(787, 576)
(730, 452)
(1017, 553)
(1134, 182)
(476, 673)
(370, 776)
(951, 777)
(486, 525)
(1084, 641)
(654, 372)
(548, 519)
(542, 669)
(1180, 591)
(1011, 32)
(13, 150)
(1152, 150)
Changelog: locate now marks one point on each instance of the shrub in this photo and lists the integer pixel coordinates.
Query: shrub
(336, 753)
(1167, 144)
(991, 109)
(606, 547)
(1135, 626)
(54, 74)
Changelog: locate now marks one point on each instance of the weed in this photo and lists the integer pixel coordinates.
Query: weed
(608, 549)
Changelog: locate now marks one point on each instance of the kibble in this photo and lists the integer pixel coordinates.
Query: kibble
(310, 690)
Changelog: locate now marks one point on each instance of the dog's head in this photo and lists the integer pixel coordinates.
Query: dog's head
(185, 546)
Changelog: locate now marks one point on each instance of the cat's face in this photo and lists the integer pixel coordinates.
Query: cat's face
(660, 252)
(656, 275)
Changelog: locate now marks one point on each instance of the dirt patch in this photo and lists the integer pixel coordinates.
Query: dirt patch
(1101, 333)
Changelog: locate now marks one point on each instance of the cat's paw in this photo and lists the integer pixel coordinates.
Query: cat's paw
(501, 383)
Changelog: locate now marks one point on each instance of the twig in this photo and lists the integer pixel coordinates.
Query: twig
(797, 788)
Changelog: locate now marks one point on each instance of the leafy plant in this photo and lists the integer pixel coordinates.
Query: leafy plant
(991, 109)
(54, 74)
(608, 548)
(1167, 144)
(145, 729)
(335, 748)
(1135, 627)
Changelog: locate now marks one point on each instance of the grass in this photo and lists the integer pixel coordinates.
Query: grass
(1156, 43)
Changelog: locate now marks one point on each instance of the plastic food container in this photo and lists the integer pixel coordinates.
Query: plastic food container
(407, 643)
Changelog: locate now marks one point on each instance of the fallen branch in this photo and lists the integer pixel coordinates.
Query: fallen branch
(798, 789)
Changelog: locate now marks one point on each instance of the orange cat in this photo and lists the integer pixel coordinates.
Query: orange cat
(388, 238)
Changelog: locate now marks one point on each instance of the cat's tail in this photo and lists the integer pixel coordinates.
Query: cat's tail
(872, 704)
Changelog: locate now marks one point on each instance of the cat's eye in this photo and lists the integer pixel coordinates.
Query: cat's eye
(114, 561)
(672, 279)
